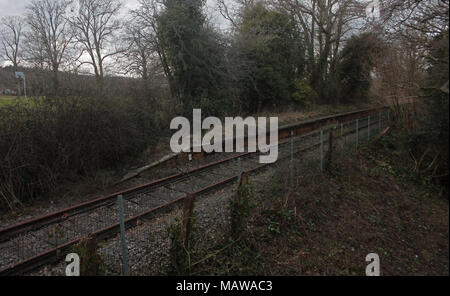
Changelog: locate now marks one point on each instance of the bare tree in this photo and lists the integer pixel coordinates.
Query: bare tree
(139, 54)
(324, 24)
(416, 16)
(232, 10)
(11, 37)
(34, 52)
(50, 35)
(412, 26)
(147, 15)
(96, 22)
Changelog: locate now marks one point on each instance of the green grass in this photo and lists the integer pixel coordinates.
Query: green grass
(13, 100)
(6, 102)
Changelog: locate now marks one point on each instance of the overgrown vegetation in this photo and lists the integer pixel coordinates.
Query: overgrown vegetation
(187, 255)
(330, 222)
(353, 75)
(271, 56)
(91, 263)
(241, 207)
(45, 141)
(432, 161)
(193, 58)
(181, 252)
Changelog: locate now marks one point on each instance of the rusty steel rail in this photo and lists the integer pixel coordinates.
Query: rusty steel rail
(63, 214)
(285, 132)
(299, 128)
(54, 254)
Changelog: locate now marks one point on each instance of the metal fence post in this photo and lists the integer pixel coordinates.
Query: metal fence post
(292, 160)
(368, 128)
(321, 150)
(237, 217)
(239, 169)
(122, 235)
(379, 122)
(330, 150)
(357, 133)
(342, 135)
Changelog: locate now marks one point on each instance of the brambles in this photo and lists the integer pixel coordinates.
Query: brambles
(182, 235)
(91, 263)
(241, 206)
(45, 141)
(179, 262)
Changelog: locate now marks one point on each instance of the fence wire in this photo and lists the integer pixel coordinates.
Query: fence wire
(300, 157)
(148, 242)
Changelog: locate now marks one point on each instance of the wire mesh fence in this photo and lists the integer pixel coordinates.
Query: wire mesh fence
(148, 244)
(148, 240)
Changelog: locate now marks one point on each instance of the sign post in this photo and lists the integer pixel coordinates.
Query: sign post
(20, 75)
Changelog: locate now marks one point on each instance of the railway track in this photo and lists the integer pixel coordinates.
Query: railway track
(29, 244)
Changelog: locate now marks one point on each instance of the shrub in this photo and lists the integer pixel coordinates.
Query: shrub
(356, 61)
(304, 95)
(91, 263)
(47, 140)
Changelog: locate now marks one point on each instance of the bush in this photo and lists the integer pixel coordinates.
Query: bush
(47, 140)
(433, 127)
(356, 61)
(304, 95)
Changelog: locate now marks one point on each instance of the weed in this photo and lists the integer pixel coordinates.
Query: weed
(91, 263)
(240, 208)
(181, 252)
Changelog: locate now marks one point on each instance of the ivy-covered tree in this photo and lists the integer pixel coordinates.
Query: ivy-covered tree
(270, 55)
(353, 75)
(194, 55)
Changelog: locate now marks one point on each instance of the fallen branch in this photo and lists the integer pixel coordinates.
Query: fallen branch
(136, 172)
(382, 133)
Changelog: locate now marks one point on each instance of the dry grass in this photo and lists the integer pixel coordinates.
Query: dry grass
(361, 212)
(329, 223)
(316, 111)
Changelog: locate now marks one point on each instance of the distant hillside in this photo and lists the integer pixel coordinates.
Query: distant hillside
(39, 83)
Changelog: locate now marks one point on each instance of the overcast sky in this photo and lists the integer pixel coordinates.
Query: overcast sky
(17, 7)
(12, 7)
